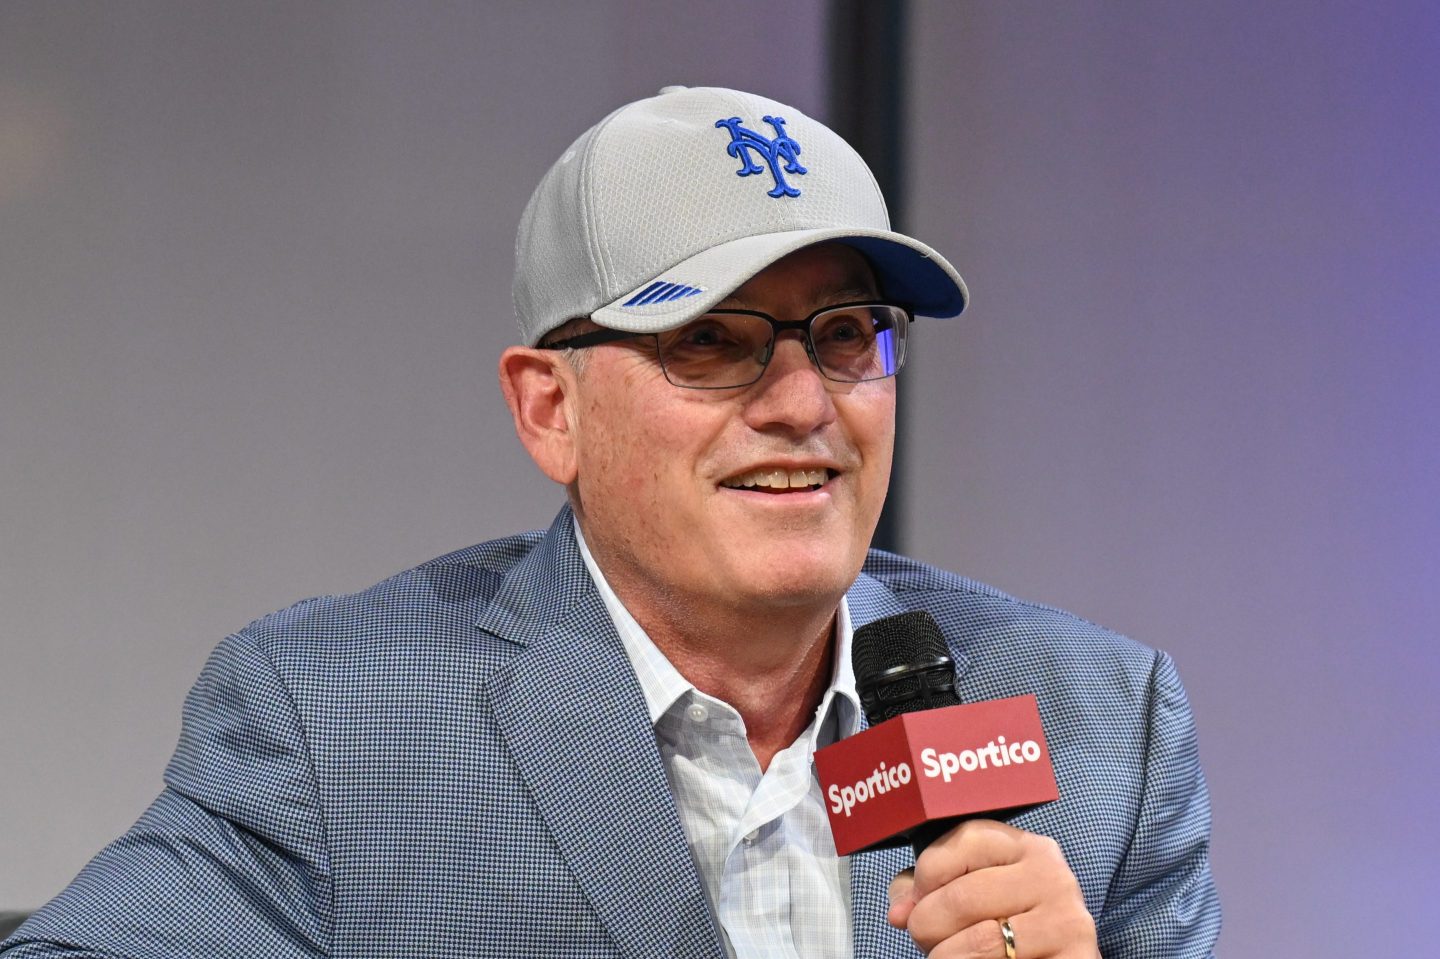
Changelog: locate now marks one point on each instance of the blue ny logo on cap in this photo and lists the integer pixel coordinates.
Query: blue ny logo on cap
(744, 142)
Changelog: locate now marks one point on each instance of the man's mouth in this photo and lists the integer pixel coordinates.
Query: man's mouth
(780, 481)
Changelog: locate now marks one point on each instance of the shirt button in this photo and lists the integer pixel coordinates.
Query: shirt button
(697, 712)
(751, 836)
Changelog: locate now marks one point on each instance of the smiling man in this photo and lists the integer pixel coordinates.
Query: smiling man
(597, 740)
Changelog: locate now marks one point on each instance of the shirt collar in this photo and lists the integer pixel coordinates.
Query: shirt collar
(663, 685)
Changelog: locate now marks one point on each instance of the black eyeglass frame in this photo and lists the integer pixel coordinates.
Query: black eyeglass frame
(598, 337)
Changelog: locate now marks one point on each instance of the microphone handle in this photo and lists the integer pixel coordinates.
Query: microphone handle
(927, 832)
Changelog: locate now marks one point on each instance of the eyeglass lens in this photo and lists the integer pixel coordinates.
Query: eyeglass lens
(852, 344)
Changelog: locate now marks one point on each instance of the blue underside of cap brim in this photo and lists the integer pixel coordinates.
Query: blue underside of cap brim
(909, 277)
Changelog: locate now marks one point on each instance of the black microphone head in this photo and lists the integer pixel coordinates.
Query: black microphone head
(902, 665)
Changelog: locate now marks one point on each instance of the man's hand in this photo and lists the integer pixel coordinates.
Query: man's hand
(980, 873)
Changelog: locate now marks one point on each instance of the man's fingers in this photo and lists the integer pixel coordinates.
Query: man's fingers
(1036, 934)
(983, 939)
(980, 873)
(902, 900)
(972, 901)
(974, 844)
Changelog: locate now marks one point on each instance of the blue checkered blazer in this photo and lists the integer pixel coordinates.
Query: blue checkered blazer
(458, 762)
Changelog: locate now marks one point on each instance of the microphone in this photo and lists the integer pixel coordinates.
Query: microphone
(927, 761)
(902, 665)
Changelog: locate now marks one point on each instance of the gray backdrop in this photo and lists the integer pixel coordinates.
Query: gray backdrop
(254, 274)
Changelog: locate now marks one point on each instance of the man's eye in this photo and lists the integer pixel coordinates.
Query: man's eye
(845, 330)
(702, 335)
(706, 336)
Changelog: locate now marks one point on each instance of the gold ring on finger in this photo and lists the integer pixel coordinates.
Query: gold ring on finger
(1009, 936)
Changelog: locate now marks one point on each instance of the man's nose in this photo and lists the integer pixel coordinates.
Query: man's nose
(793, 394)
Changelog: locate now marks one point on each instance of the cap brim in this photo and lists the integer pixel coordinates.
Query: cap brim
(909, 272)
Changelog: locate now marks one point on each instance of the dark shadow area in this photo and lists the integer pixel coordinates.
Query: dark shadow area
(865, 56)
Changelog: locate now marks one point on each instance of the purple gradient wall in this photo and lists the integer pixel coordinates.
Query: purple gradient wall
(1196, 400)
(254, 270)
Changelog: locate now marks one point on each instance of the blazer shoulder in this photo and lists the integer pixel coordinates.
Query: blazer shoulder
(981, 616)
(438, 598)
(902, 574)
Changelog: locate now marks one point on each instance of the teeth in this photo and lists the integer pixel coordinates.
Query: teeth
(778, 479)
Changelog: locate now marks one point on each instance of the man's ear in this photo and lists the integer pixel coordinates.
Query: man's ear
(539, 387)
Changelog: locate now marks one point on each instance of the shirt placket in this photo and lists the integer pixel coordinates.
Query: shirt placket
(758, 902)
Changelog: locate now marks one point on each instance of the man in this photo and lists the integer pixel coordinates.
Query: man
(597, 740)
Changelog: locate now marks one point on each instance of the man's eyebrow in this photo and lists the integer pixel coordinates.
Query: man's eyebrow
(852, 294)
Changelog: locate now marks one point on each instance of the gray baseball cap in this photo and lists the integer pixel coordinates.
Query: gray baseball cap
(667, 205)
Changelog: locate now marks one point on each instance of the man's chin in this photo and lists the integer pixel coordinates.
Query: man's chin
(795, 581)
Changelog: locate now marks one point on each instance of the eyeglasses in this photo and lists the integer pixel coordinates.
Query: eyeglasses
(724, 349)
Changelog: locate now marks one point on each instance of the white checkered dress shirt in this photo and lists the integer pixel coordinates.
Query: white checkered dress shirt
(761, 840)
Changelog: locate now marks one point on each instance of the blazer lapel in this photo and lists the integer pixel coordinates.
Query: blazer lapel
(870, 875)
(574, 718)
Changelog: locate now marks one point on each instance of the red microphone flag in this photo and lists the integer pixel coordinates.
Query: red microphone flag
(934, 764)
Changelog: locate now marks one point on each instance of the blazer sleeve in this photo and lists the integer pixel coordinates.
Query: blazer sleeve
(230, 860)
(1162, 902)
